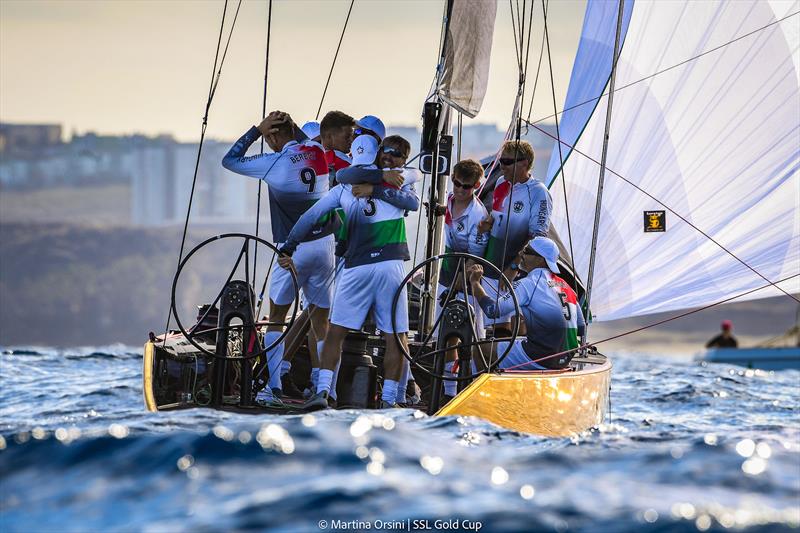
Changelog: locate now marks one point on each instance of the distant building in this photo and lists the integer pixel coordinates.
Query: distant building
(23, 137)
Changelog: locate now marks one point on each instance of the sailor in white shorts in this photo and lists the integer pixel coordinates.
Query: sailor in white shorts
(373, 268)
(296, 174)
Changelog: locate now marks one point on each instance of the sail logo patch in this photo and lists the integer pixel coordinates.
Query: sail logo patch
(655, 221)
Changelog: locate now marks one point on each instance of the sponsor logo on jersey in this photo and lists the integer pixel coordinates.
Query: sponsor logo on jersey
(518, 206)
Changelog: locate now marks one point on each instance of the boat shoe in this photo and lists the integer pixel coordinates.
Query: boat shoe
(319, 401)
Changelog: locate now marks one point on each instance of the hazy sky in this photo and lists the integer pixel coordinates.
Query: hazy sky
(144, 66)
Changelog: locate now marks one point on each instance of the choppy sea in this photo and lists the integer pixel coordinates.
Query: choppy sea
(687, 448)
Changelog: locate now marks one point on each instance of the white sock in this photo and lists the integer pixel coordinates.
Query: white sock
(402, 385)
(315, 378)
(274, 359)
(286, 366)
(389, 390)
(325, 380)
(450, 386)
(335, 379)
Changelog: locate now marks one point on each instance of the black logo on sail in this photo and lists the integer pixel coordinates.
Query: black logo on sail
(655, 221)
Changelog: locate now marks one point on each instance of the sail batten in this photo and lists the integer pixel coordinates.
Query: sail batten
(714, 138)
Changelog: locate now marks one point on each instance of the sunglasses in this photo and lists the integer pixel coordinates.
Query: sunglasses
(457, 183)
(393, 151)
(506, 161)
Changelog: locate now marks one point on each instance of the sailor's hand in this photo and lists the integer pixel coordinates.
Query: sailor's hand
(285, 261)
(363, 190)
(475, 273)
(394, 178)
(485, 225)
(270, 124)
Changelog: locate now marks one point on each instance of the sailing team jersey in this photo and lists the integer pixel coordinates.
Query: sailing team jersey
(552, 315)
(376, 229)
(529, 216)
(461, 235)
(297, 177)
(336, 161)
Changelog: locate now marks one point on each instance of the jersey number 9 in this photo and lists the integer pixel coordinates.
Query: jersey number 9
(309, 177)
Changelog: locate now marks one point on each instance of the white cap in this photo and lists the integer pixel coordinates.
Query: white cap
(547, 249)
(311, 129)
(372, 123)
(364, 149)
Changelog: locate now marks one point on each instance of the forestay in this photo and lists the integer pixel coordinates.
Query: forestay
(716, 140)
(468, 47)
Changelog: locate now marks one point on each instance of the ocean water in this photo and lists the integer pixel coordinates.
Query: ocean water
(687, 448)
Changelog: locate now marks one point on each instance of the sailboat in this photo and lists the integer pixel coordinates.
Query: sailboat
(677, 164)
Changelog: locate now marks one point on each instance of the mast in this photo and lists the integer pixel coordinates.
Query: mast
(598, 205)
(438, 188)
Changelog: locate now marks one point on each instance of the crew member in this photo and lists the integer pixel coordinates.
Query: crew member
(462, 217)
(373, 269)
(521, 208)
(297, 176)
(549, 306)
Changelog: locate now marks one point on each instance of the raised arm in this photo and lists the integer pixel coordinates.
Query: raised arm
(306, 222)
(403, 198)
(358, 174)
(494, 306)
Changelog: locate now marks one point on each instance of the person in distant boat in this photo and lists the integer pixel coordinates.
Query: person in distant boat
(725, 339)
(373, 265)
(462, 218)
(521, 209)
(296, 174)
(553, 318)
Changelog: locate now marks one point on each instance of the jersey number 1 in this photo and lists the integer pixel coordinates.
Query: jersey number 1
(309, 177)
(565, 305)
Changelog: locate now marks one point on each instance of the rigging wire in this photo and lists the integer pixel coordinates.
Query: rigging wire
(654, 324)
(560, 153)
(668, 208)
(263, 116)
(536, 80)
(662, 71)
(211, 91)
(336, 55)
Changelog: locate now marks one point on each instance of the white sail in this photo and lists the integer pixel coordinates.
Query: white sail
(714, 138)
(465, 71)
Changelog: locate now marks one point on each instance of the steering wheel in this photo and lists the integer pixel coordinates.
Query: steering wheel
(235, 296)
(460, 275)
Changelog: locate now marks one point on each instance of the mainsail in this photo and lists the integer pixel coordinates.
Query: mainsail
(468, 47)
(705, 127)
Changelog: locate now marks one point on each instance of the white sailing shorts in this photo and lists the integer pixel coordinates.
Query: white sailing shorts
(364, 287)
(490, 286)
(476, 309)
(313, 261)
(517, 358)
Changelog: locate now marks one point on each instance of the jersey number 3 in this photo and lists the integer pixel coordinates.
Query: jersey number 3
(309, 177)
(371, 207)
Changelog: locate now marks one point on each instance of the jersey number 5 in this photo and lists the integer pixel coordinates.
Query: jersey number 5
(371, 208)
(565, 306)
(309, 177)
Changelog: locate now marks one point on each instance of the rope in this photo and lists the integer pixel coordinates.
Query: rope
(676, 65)
(536, 80)
(211, 91)
(560, 154)
(263, 116)
(333, 64)
(648, 326)
(668, 208)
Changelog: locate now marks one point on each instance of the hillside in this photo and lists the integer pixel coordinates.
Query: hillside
(94, 284)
